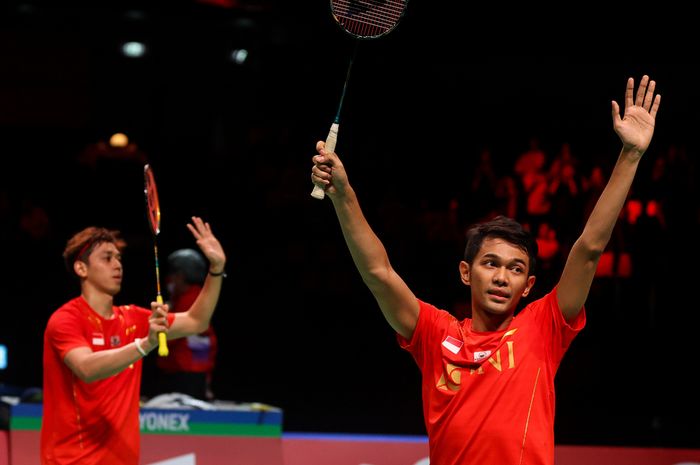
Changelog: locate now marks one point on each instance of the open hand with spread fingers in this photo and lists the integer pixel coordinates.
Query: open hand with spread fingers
(636, 126)
(208, 244)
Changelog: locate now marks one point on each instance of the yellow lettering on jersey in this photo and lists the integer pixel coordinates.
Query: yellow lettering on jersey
(496, 363)
(511, 354)
(479, 371)
(511, 358)
(453, 380)
(454, 374)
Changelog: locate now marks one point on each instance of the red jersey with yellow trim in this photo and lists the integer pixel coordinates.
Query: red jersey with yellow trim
(488, 397)
(91, 423)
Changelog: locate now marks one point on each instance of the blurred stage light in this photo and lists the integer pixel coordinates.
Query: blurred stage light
(3, 356)
(119, 140)
(239, 56)
(134, 49)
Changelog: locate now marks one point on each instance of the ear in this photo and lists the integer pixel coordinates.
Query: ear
(80, 268)
(530, 283)
(465, 272)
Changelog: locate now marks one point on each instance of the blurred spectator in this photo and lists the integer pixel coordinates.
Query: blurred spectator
(189, 366)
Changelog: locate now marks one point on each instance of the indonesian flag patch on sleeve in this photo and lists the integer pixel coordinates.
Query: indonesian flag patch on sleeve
(452, 344)
(98, 339)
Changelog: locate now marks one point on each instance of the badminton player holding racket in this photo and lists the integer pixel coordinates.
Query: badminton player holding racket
(488, 380)
(93, 351)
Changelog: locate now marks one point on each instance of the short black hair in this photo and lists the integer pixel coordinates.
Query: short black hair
(190, 263)
(504, 228)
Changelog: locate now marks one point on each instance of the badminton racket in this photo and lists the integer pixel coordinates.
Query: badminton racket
(362, 19)
(153, 211)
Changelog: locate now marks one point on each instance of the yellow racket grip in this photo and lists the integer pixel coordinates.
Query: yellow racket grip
(162, 337)
(162, 345)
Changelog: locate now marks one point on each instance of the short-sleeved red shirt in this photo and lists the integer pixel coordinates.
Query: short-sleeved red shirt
(488, 397)
(91, 423)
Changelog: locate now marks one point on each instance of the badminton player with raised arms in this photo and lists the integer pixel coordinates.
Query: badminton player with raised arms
(488, 381)
(93, 350)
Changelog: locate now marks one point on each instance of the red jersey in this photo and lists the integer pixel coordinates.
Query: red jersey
(488, 397)
(193, 354)
(91, 423)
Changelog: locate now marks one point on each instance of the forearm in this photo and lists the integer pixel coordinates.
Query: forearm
(600, 224)
(367, 251)
(578, 273)
(197, 318)
(93, 366)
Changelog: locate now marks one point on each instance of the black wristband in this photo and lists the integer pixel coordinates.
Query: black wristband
(222, 274)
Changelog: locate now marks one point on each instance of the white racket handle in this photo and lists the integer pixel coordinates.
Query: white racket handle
(319, 192)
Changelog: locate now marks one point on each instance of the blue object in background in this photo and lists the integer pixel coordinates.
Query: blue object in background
(3, 356)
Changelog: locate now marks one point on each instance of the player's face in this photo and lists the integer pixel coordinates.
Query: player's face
(498, 277)
(104, 270)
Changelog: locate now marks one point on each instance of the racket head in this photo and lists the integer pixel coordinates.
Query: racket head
(368, 19)
(152, 203)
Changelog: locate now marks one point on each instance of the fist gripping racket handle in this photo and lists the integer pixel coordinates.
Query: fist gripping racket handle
(319, 192)
(162, 337)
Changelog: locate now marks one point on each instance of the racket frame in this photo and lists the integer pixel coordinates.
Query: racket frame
(153, 212)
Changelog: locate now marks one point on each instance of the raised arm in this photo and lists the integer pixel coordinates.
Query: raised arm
(196, 319)
(395, 299)
(635, 129)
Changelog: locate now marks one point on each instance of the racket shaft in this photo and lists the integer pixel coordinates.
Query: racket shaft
(319, 192)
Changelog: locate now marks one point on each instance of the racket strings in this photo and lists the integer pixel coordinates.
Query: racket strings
(387, 16)
(374, 19)
(393, 8)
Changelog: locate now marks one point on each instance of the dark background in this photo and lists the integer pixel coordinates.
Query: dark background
(232, 143)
